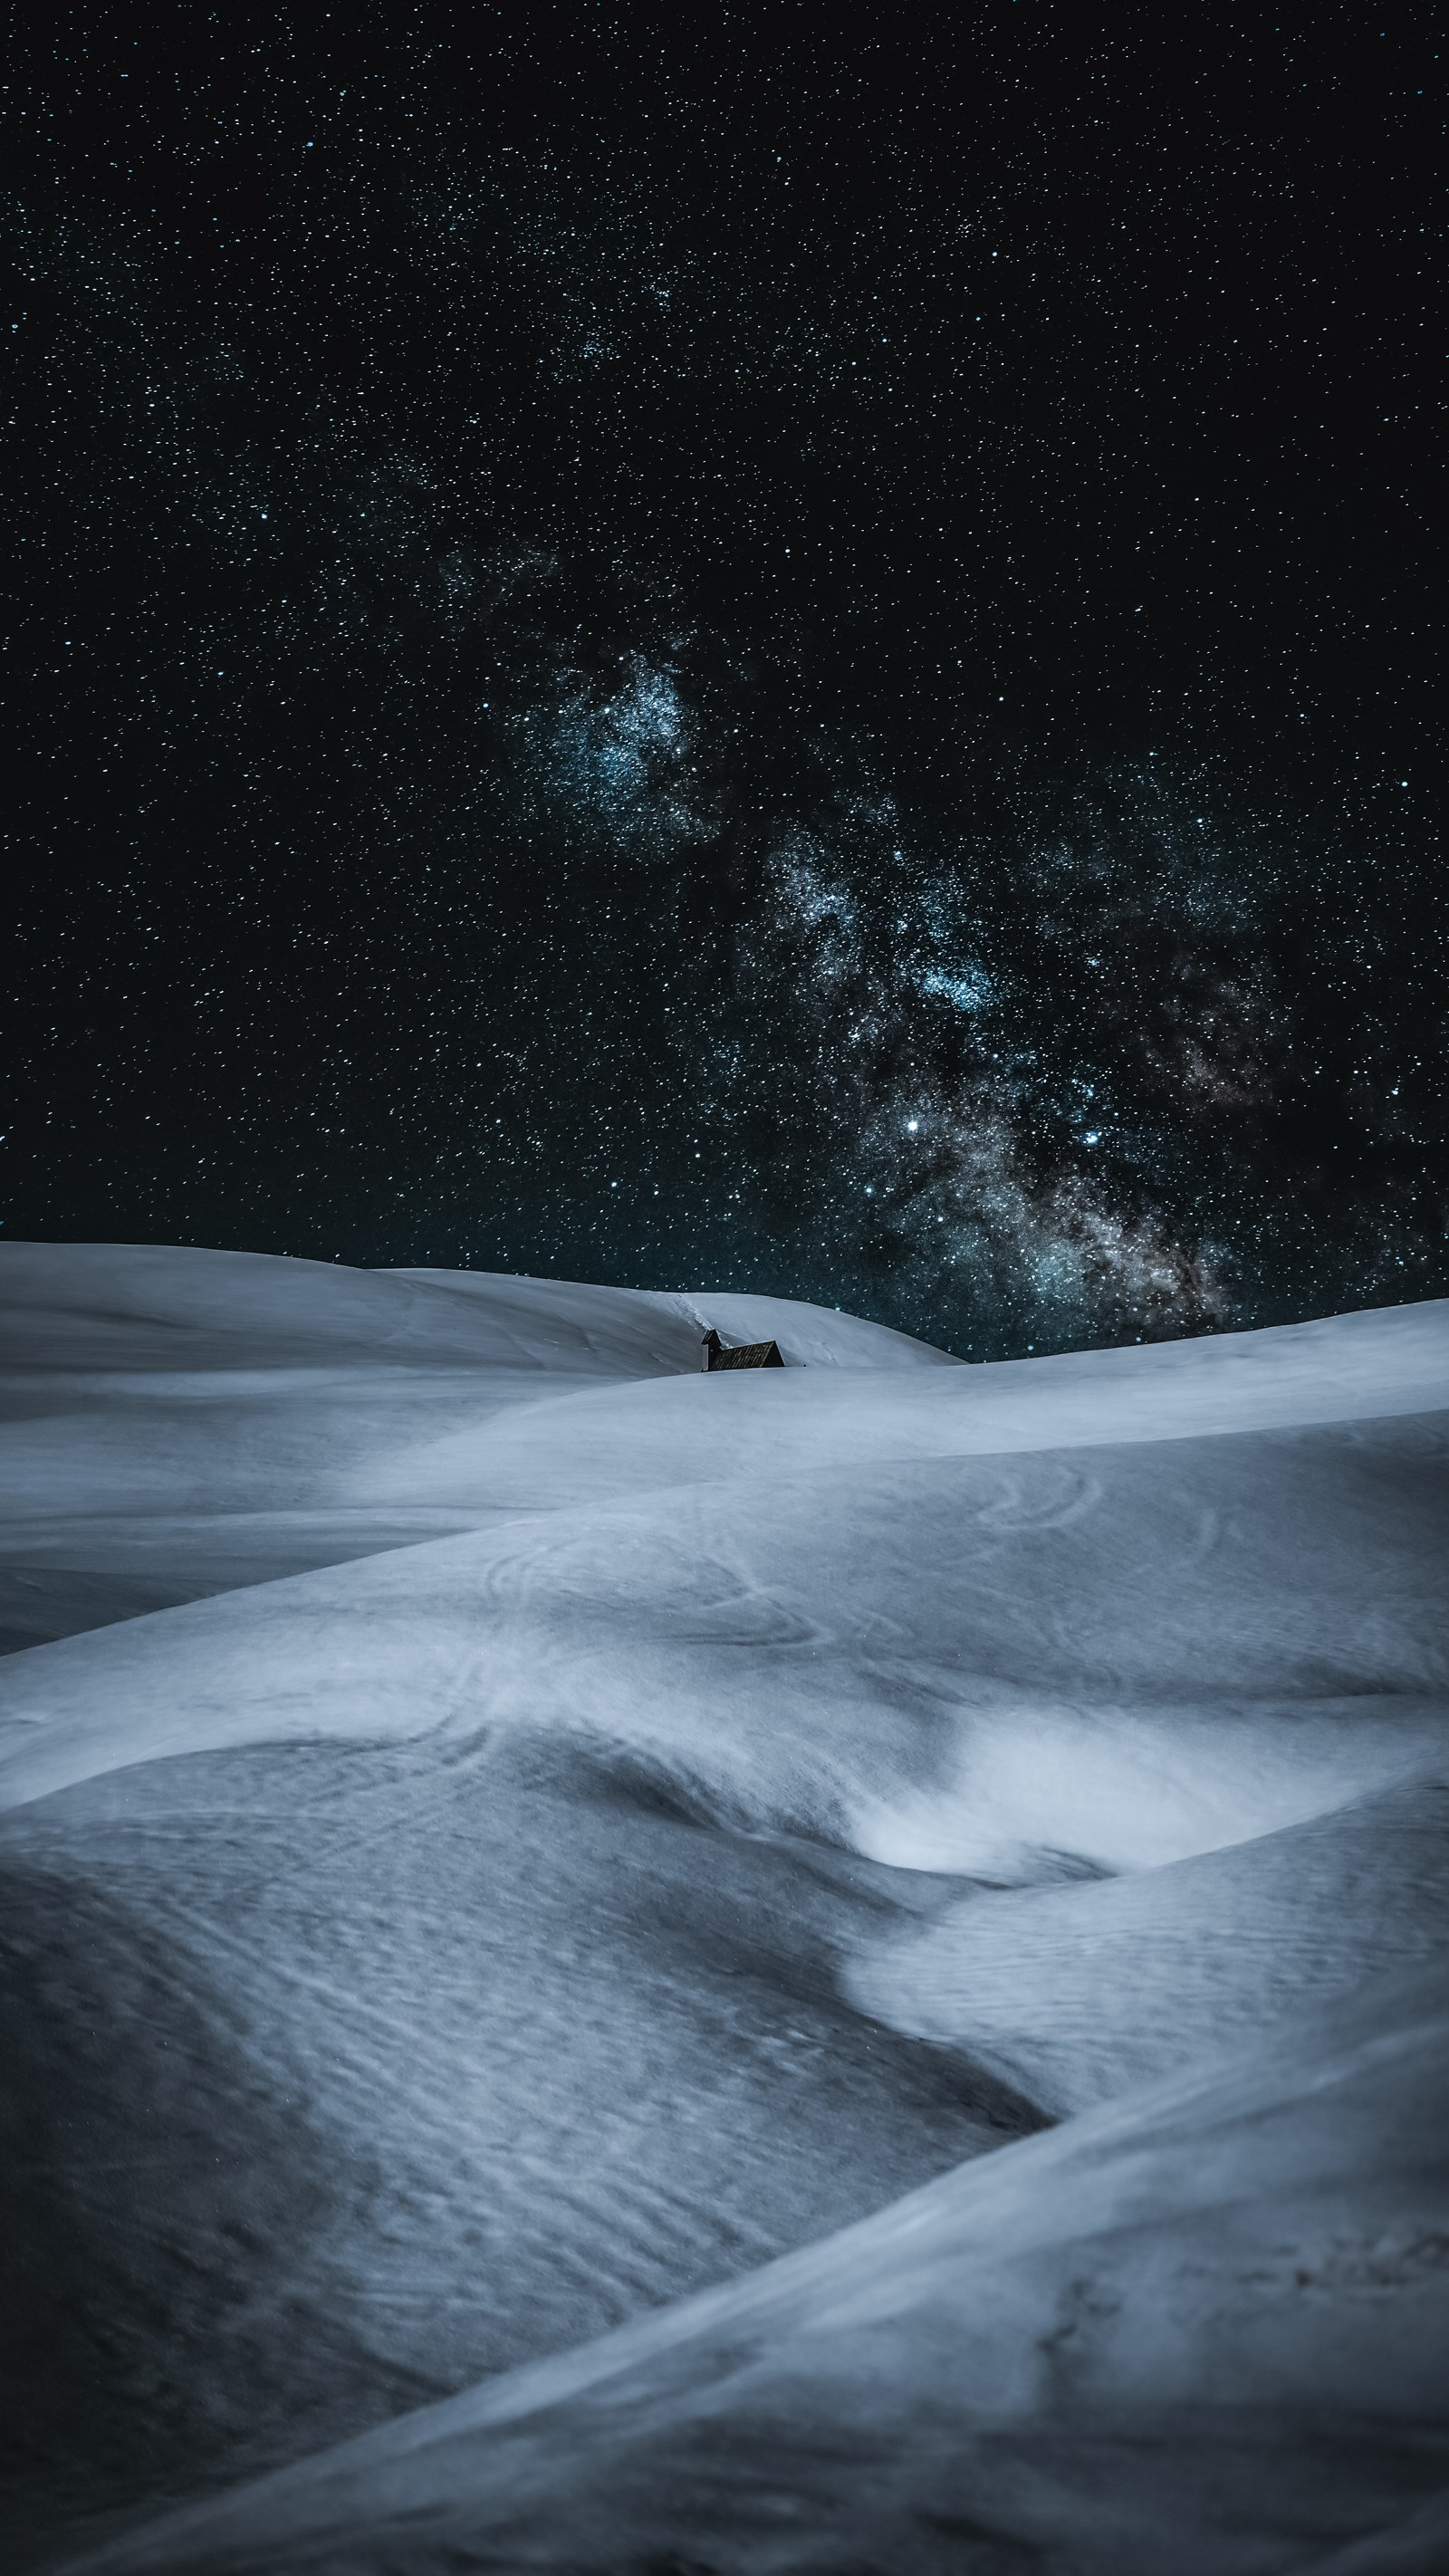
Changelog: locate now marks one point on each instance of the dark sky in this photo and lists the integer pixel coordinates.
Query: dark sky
(771, 649)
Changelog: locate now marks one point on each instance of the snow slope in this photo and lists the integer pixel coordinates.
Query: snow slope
(177, 1423)
(1201, 2330)
(581, 1829)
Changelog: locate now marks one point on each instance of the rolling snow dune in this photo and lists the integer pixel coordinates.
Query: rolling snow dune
(581, 1829)
(178, 1423)
(343, 2077)
(1121, 1656)
(1076, 1993)
(603, 1443)
(1202, 2330)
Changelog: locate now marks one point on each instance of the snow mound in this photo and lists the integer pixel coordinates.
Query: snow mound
(809, 1336)
(157, 1306)
(1075, 1993)
(1195, 2330)
(180, 1423)
(963, 1665)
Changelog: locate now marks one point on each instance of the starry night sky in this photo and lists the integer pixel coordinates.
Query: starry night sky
(746, 649)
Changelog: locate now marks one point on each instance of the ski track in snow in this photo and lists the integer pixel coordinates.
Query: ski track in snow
(612, 1969)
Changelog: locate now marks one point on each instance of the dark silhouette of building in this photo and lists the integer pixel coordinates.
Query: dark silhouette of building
(713, 1354)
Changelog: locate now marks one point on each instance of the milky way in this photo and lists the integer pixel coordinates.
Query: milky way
(776, 658)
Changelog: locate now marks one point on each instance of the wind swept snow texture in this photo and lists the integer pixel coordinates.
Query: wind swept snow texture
(576, 1830)
(1202, 2330)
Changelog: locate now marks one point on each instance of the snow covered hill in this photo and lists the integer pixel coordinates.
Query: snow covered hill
(181, 1422)
(511, 1839)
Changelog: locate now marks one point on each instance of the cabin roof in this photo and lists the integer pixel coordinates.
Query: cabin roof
(745, 1355)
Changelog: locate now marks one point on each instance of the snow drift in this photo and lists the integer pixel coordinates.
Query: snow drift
(508, 1832)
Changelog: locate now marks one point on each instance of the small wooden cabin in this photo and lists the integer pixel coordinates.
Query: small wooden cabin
(714, 1355)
